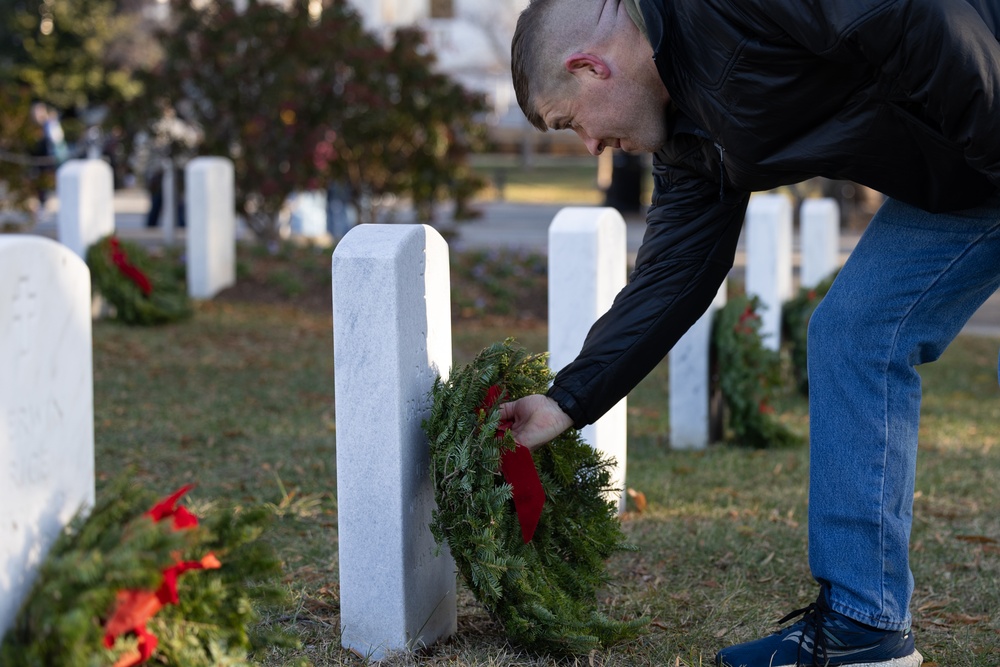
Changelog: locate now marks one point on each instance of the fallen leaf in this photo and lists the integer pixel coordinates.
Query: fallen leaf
(975, 539)
(639, 498)
(932, 605)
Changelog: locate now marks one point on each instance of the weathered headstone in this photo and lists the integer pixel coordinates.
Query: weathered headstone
(210, 217)
(86, 193)
(819, 221)
(693, 421)
(392, 337)
(769, 260)
(587, 269)
(46, 406)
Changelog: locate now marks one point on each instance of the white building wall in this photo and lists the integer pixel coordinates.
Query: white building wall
(473, 47)
(378, 15)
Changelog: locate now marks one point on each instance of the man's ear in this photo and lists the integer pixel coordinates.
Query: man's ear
(587, 63)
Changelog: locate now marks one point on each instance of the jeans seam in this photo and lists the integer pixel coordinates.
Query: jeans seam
(885, 374)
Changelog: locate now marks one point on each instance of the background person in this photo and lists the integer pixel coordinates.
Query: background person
(51, 146)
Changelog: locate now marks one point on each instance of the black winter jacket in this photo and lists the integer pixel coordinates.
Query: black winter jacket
(899, 95)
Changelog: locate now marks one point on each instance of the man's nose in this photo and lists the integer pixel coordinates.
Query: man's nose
(595, 146)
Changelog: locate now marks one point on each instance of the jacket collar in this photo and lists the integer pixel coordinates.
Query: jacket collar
(654, 13)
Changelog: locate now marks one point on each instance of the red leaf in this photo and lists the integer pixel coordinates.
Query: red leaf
(639, 498)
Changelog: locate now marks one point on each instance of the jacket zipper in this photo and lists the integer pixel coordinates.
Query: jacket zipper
(722, 169)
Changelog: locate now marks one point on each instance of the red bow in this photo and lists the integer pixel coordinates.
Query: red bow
(518, 469)
(129, 270)
(134, 608)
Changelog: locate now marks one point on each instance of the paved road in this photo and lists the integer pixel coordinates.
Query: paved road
(501, 225)
(527, 226)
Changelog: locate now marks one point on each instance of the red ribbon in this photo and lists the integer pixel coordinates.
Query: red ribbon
(129, 270)
(134, 608)
(169, 509)
(519, 471)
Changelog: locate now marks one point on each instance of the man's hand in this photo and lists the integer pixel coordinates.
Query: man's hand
(535, 420)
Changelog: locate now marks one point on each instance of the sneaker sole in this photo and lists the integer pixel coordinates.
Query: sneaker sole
(912, 660)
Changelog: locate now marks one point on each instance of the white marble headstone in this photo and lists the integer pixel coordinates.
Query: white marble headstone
(769, 260)
(587, 269)
(210, 215)
(691, 416)
(820, 223)
(391, 338)
(46, 406)
(86, 194)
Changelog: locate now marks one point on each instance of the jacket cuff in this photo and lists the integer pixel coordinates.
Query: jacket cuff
(568, 405)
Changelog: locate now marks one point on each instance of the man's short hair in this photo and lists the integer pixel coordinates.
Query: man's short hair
(535, 57)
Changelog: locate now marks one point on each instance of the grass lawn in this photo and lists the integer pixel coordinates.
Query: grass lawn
(240, 400)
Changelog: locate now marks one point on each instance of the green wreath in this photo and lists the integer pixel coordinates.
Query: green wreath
(544, 593)
(143, 289)
(122, 552)
(795, 316)
(749, 375)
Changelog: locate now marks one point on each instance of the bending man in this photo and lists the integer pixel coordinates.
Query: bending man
(734, 97)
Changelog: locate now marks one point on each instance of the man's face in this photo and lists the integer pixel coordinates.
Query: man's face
(609, 113)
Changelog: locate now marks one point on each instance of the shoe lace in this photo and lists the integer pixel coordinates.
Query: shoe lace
(812, 618)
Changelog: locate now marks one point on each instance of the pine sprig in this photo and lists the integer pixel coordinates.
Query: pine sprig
(543, 593)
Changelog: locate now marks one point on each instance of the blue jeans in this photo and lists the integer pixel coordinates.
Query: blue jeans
(907, 290)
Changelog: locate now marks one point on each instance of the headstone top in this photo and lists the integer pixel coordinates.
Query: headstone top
(46, 405)
(769, 260)
(210, 216)
(584, 219)
(86, 203)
